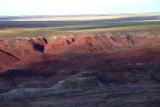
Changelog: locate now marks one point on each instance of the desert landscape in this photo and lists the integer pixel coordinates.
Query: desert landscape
(80, 61)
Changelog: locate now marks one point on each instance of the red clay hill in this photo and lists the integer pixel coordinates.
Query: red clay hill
(112, 54)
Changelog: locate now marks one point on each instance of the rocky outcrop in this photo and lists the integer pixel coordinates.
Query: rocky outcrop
(86, 69)
(117, 55)
(83, 89)
(84, 80)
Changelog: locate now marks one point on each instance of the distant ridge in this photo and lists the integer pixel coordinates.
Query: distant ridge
(75, 17)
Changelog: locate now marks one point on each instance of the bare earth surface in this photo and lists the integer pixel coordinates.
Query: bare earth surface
(87, 69)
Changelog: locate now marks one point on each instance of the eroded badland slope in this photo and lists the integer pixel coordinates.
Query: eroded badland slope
(98, 67)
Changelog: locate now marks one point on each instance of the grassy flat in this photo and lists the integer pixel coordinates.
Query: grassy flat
(93, 24)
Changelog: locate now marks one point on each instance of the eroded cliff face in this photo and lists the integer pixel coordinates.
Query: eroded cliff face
(86, 69)
(123, 57)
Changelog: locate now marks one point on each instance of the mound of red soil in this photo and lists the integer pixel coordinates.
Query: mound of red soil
(101, 69)
(116, 55)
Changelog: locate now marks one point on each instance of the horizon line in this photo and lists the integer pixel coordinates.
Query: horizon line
(127, 13)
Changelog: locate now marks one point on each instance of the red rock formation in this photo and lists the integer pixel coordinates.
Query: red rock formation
(113, 54)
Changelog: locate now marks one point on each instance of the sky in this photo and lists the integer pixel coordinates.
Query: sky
(76, 7)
